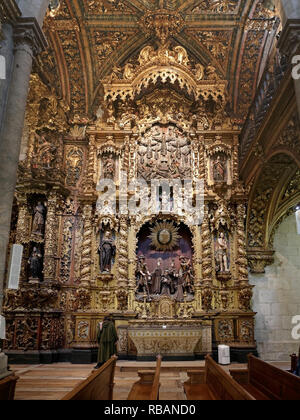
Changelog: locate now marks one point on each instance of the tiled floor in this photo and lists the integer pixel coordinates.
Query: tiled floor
(52, 382)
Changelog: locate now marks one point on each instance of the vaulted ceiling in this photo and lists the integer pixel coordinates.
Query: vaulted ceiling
(88, 37)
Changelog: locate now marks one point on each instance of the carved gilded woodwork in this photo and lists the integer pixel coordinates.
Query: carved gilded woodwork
(164, 100)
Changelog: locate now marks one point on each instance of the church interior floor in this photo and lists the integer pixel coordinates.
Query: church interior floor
(52, 382)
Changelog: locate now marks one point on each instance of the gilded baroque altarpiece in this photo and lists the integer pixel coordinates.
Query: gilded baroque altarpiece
(174, 286)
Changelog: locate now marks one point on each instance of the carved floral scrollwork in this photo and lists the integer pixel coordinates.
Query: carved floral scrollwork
(83, 299)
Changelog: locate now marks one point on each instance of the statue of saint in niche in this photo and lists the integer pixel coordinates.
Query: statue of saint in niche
(219, 169)
(109, 167)
(106, 251)
(38, 224)
(36, 264)
(222, 253)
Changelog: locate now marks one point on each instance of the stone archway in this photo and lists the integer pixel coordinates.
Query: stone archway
(276, 297)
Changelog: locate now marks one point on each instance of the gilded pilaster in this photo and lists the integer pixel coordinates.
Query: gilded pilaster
(22, 228)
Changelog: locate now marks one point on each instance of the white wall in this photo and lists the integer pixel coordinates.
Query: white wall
(277, 296)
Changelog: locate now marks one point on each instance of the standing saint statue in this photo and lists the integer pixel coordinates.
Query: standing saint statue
(36, 264)
(106, 251)
(219, 170)
(38, 223)
(186, 274)
(166, 283)
(222, 254)
(156, 278)
(142, 275)
(109, 167)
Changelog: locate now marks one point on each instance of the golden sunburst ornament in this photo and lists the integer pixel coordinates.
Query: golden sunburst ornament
(164, 236)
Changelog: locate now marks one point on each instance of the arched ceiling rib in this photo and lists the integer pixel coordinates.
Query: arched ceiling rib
(89, 37)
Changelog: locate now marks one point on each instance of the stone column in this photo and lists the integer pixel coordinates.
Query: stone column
(29, 40)
(9, 12)
(289, 42)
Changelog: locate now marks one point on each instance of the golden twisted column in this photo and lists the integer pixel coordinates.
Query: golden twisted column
(90, 171)
(241, 257)
(51, 236)
(123, 253)
(207, 268)
(86, 247)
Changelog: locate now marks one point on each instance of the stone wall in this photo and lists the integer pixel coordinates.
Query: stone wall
(277, 296)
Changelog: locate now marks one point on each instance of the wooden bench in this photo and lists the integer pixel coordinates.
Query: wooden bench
(266, 382)
(8, 387)
(147, 388)
(98, 386)
(213, 383)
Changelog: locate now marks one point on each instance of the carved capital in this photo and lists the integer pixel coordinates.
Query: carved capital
(258, 260)
(28, 32)
(289, 40)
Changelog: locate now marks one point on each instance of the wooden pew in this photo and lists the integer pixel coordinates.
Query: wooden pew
(214, 384)
(267, 382)
(8, 387)
(98, 386)
(147, 388)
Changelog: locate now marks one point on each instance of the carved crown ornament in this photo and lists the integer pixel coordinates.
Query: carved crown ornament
(162, 23)
(164, 65)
